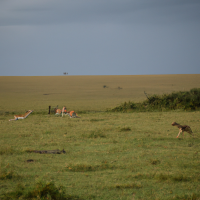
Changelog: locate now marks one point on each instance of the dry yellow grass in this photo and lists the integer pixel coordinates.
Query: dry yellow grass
(86, 92)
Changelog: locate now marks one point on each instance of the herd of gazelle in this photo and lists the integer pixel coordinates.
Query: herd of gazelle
(72, 114)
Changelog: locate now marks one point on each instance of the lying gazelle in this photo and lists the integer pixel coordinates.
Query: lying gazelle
(16, 117)
(71, 114)
(183, 128)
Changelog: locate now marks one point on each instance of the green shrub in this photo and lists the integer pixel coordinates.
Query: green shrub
(124, 107)
(189, 100)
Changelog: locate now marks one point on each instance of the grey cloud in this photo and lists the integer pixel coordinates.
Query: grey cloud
(104, 11)
(99, 37)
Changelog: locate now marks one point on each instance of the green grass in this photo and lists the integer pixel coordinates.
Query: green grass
(121, 156)
(108, 155)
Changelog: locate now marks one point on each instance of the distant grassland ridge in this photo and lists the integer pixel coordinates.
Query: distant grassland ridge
(86, 93)
(185, 100)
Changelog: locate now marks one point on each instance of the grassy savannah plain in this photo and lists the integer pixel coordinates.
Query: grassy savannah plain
(109, 155)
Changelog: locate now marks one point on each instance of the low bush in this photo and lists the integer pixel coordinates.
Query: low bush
(124, 107)
(189, 100)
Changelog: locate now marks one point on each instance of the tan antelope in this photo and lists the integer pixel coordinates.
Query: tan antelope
(59, 111)
(16, 117)
(71, 114)
(183, 128)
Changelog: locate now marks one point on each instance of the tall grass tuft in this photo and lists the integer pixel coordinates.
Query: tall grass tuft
(7, 174)
(187, 197)
(40, 191)
(89, 168)
(174, 177)
(129, 185)
(94, 134)
(180, 178)
(125, 129)
(6, 150)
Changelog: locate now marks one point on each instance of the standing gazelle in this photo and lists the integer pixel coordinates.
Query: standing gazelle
(183, 128)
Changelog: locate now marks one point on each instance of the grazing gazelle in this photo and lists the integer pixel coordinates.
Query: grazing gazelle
(183, 128)
(16, 117)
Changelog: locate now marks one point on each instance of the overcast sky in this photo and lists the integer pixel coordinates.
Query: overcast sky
(99, 37)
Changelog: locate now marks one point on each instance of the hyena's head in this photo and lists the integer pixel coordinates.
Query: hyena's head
(174, 124)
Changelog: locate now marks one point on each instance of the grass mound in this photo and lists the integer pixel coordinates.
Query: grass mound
(189, 100)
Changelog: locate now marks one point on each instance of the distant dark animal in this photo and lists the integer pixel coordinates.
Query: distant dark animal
(183, 128)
